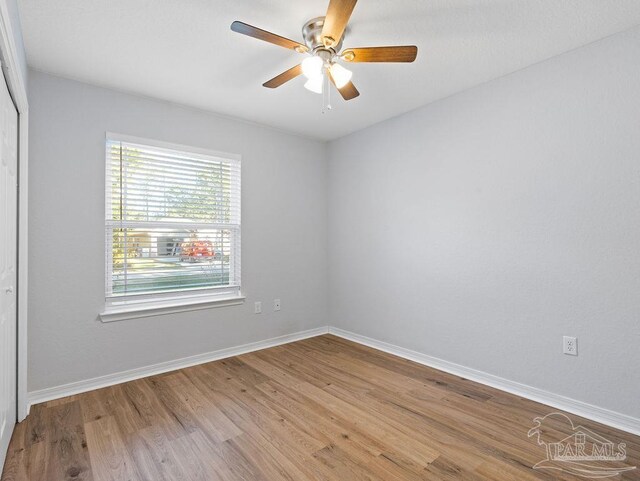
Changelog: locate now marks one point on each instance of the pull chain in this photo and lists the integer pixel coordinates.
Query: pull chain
(326, 93)
(329, 107)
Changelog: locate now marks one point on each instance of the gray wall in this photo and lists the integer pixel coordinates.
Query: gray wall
(482, 228)
(478, 229)
(283, 234)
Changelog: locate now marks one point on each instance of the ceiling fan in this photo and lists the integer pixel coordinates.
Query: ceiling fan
(323, 37)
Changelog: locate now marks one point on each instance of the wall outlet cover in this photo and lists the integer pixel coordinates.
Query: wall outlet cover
(570, 345)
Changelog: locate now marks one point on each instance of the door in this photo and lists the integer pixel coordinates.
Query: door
(8, 264)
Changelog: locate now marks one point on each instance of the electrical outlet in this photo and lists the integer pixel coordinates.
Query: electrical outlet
(570, 345)
(257, 308)
(276, 304)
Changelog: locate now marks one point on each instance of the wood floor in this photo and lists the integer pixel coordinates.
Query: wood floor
(320, 409)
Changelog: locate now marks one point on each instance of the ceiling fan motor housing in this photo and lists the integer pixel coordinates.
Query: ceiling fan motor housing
(312, 35)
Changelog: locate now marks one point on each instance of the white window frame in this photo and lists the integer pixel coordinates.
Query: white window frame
(145, 305)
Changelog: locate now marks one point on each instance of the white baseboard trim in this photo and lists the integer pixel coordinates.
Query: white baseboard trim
(78, 387)
(579, 408)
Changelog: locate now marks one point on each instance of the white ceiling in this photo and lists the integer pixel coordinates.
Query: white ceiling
(183, 50)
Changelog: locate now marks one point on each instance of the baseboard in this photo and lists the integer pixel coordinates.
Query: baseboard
(78, 387)
(579, 408)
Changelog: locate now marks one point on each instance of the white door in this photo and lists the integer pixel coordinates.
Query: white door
(8, 261)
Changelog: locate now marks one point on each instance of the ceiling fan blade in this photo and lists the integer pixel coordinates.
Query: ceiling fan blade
(284, 77)
(348, 92)
(336, 20)
(406, 53)
(260, 34)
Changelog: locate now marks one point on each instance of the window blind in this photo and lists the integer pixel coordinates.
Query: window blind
(172, 221)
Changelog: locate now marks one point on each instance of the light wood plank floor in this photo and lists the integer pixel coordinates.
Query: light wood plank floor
(320, 409)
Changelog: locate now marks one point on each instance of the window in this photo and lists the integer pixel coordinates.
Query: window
(172, 222)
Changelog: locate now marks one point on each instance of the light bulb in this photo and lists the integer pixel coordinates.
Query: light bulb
(315, 84)
(340, 75)
(312, 67)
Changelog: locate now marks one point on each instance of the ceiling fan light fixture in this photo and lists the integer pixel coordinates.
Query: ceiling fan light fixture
(315, 84)
(322, 42)
(341, 76)
(312, 67)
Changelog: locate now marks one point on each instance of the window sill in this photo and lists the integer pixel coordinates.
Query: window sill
(136, 310)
